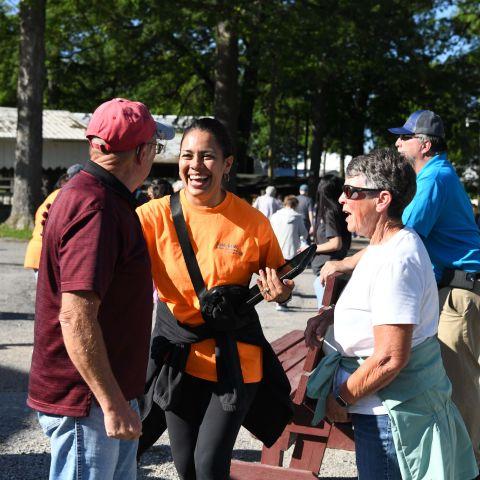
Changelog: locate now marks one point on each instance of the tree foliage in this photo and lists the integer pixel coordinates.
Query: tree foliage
(9, 37)
(298, 78)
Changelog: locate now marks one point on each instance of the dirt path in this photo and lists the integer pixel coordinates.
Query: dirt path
(24, 450)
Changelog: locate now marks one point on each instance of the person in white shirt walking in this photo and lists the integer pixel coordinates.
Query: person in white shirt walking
(267, 203)
(290, 231)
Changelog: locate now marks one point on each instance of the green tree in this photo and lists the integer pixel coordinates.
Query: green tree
(28, 150)
(291, 79)
(8, 55)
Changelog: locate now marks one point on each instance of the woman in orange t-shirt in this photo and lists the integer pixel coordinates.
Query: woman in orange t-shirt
(231, 241)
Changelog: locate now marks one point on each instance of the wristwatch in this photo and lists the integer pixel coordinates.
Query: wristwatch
(341, 401)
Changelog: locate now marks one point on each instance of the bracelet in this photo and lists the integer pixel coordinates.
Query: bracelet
(341, 401)
(338, 397)
(326, 307)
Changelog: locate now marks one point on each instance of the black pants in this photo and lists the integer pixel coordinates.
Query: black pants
(202, 434)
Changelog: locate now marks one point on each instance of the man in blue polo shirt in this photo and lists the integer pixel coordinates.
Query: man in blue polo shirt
(441, 213)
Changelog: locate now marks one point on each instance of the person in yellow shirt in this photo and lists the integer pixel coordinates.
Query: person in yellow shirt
(34, 247)
(231, 241)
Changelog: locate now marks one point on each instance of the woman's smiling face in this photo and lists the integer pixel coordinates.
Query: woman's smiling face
(202, 167)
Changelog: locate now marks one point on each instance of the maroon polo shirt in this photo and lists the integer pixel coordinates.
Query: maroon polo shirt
(92, 241)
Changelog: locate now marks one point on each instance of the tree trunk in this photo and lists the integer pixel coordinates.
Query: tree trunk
(248, 95)
(272, 138)
(318, 132)
(226, 82)
(254, 45)
(297, 142)
(307, 142)
(28, 150)
(358, 138)
(358, 124)
(341, 168)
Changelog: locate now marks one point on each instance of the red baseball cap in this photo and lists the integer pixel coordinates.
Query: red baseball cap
(124, 125)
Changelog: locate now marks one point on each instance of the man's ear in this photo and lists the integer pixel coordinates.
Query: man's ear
(426, 146)
(139, 154)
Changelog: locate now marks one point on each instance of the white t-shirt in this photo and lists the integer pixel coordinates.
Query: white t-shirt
(290, 230)
(393, 283)
(267, 205)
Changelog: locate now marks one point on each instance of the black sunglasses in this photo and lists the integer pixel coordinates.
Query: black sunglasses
(405, 138)
(357, 193)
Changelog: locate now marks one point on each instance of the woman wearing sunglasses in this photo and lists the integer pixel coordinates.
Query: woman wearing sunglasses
(387, 375)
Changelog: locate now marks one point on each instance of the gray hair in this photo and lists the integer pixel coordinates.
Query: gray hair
(438, 144)
(270, 190)
(386, 169)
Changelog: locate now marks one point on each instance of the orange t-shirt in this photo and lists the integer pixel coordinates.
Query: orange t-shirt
(34, 247)
(231, 242)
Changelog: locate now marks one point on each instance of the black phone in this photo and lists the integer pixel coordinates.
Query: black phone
(289, 270)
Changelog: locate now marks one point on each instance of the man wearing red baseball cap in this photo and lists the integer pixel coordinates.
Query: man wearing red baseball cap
(121, 125)
(94, 302)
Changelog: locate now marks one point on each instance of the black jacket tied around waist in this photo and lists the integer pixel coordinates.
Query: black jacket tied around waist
(270, 411)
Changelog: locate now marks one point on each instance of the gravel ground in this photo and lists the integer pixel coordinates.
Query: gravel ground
(24, 450)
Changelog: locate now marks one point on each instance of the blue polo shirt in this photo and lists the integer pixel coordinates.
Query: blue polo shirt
(441, 213)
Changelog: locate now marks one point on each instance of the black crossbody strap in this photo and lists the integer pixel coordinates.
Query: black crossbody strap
(185, 244)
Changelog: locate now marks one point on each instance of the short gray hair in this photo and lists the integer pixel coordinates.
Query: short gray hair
(270, 190)
(386, 169)
(438, 144)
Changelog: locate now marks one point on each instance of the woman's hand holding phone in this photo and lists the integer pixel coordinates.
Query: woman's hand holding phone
(272, 288)
(277, 286)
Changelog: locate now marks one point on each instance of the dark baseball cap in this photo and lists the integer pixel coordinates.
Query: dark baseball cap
(421, 121)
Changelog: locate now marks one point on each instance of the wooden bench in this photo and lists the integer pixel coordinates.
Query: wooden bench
(309, 442)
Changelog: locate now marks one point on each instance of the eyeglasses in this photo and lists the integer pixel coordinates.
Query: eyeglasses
(405, 138)
(159, 146)
(357, 193)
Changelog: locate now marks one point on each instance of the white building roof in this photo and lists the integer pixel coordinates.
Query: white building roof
(172, 150)
(179, 123)
(65, 125)
(70, 126)
(57, 125)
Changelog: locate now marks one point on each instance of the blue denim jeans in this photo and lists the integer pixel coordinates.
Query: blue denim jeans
(319, 290)
(81, 450)
(374, 448)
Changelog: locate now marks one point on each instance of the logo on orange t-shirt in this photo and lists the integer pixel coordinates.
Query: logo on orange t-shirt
(235, 249)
